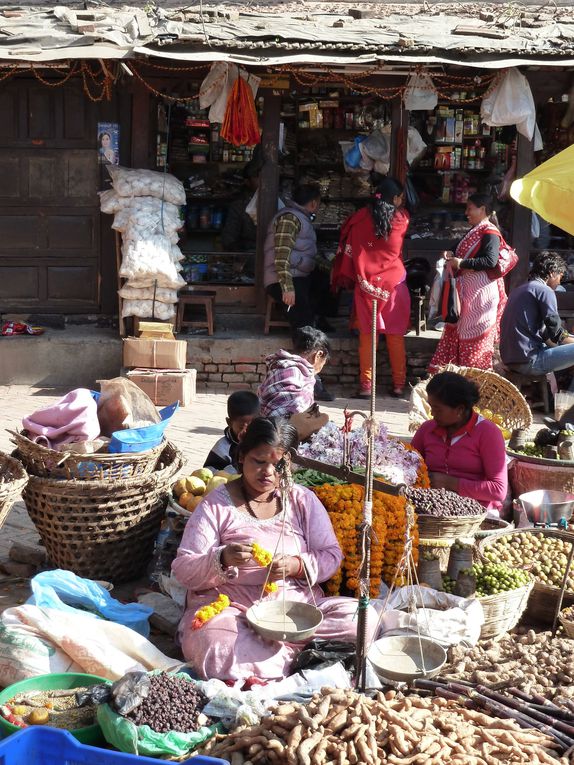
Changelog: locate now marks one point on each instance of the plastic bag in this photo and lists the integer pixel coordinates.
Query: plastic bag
(420, 93)
(510, 103)
(415, 145)
(148, 309)
(446, 618)
(64, 591)
(231, 705)
(122, 405)
(140, 439)
(324, 653)
(353, 155)
(129, 691)
(449, 298)
(141, 739)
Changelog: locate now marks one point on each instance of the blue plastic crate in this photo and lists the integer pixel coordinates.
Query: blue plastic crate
(49, 746)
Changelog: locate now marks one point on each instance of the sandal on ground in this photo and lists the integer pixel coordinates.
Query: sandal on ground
(397, 393)
(362, 393)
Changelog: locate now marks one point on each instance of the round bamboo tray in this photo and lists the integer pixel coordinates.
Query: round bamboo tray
(496, 393)
(13, 478)
(102, 529)
(531, 473)
(449, 528)
(49, 463)
(503, 611)
(544, 598)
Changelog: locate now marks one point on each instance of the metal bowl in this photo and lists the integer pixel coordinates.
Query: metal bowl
(546, 506)
(404, 658)
(289, 621)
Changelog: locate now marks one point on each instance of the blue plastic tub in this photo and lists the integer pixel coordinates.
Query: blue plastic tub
(49, 746)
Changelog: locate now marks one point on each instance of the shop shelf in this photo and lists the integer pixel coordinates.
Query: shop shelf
(49, 746)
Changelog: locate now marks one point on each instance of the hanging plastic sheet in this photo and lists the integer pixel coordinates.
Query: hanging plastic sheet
(549, 190)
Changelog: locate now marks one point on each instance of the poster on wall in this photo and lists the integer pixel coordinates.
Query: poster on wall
(108, 143)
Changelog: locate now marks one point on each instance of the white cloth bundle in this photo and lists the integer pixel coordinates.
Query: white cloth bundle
(150, 260)
(134, 292)
(147, 309)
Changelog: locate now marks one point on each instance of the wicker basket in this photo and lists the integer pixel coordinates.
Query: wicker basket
(449, 528)
(567, 624)
(502, 611)
(13, 478)
(102, 529)
(49, 463)
(496, 393)
(544, 598)
(531, 473)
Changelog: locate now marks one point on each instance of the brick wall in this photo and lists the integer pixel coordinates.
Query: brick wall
(228, 364)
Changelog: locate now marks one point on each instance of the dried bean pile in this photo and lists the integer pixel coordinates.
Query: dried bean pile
(174, 703)
(441, 503)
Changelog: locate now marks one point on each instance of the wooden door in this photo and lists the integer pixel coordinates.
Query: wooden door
(49, 210)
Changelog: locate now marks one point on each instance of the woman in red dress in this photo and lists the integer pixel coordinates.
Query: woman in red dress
(369, 260)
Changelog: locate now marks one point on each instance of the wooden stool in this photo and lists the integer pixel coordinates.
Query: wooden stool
(520, 380)
(274, 316)
(203, 298)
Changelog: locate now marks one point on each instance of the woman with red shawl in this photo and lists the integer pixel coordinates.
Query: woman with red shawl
(369, 260)
(470, 341)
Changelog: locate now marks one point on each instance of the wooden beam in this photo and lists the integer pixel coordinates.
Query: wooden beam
(399, 137)
(141, 139)
(268, 183)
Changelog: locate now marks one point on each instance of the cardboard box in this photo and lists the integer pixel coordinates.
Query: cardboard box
(166, 386)
(152, 353)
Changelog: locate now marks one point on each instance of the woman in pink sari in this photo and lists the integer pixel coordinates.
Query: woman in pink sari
(470, 342)
(216, 557)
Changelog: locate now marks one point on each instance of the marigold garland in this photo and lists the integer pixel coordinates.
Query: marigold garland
(263, 558)
(204, 614)
(344, 503)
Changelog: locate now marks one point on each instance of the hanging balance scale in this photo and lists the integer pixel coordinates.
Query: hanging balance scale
(285, 620)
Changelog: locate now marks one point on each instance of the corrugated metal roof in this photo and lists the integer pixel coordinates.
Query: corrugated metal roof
(259, 34)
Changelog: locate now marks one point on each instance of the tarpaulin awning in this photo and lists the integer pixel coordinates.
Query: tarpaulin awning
(549, 190)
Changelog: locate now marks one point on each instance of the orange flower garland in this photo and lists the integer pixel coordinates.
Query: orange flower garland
(344, 503)
(207, 612)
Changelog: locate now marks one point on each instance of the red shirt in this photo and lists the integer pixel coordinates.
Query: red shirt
(475, 454)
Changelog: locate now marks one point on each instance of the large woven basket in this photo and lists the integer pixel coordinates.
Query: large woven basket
(449, 528)
(544, 598)
(13, 478)
(49, 463)
(102, 529)
(496, 393)
(502, 611)
(531, 473)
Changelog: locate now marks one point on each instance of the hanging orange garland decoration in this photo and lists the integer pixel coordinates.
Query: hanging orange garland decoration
(240, 125)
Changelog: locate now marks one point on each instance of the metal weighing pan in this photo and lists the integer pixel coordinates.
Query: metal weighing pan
(405, 658)
(289, 621)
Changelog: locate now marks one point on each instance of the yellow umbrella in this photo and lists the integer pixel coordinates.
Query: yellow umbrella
(549, 190)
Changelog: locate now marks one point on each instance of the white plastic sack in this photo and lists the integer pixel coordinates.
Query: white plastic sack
(134, 182)
(448, 619)
(419, 407)
(161, 294)
(510, 103)
(415, 145)
(145, 216)
(111, 203)
(150, 260)
(38, 641)
(147, 309)
(420, 93)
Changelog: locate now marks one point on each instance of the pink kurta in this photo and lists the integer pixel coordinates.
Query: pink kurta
(226, 647)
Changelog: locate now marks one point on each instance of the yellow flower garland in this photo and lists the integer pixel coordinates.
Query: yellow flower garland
(204, 614)
(263, 558)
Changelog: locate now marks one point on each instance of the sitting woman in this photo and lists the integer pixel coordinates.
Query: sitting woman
(215, 557)
(464, 452)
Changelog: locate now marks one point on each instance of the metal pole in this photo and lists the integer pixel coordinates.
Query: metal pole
(561, 596)
(366, 527)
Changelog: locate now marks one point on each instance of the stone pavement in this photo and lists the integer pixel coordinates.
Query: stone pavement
(194, 430)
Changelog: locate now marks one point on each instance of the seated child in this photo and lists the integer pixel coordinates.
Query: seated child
(289, 385)
(242, 407)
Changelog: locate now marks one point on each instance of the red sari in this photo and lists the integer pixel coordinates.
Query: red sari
(470, 342)
(374, 267)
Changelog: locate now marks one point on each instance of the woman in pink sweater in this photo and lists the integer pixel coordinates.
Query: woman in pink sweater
(464, 452)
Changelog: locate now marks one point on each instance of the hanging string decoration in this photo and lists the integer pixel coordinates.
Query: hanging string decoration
(240, 125)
